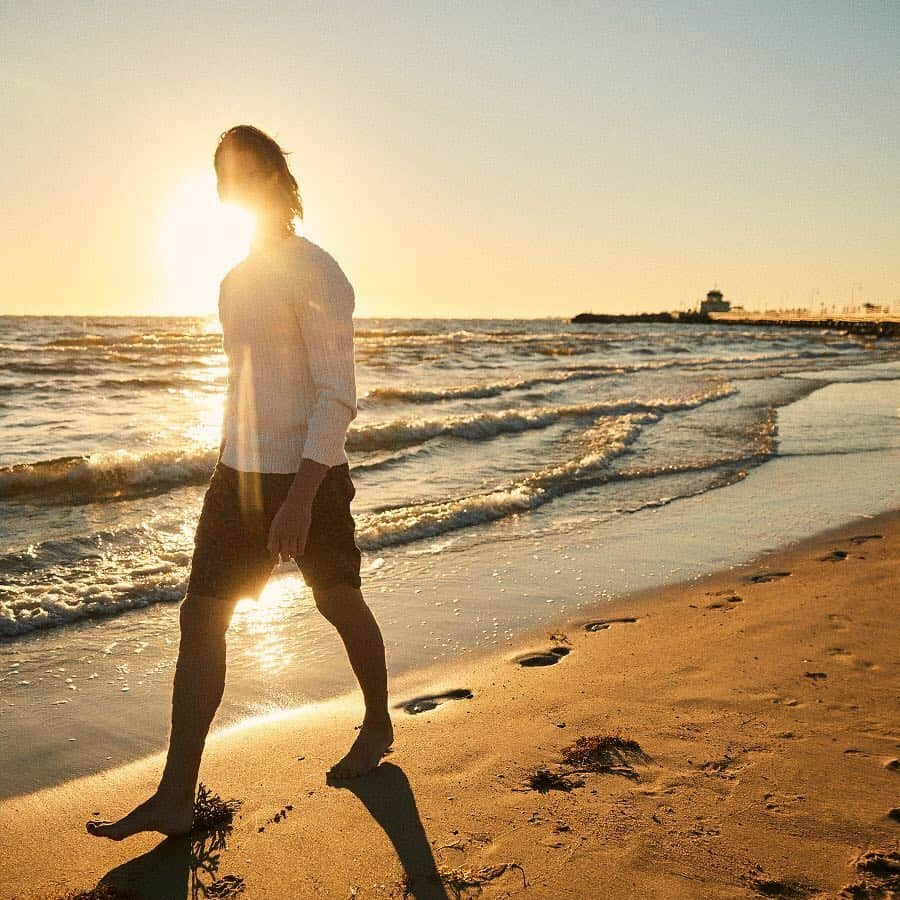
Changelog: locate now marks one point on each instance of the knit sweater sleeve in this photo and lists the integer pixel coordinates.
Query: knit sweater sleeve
(325, 312)
(228, 409)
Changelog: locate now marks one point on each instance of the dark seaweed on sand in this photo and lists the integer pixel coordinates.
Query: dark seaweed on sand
(211, 812)
(226, 887)
(598, 752)
(544, 780)
(609, 753)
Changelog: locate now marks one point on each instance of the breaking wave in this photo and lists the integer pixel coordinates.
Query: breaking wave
(125, 473)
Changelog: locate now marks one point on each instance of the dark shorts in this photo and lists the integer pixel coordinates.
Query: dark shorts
(231, 558)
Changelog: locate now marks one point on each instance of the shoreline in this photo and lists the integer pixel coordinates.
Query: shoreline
(765, 728)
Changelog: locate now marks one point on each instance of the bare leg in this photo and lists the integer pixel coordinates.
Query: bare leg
(197, 691)
(343, 605)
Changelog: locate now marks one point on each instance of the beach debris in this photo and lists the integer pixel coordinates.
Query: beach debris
(462, 879)
(597, 750)
(558, 637)
(544, 780)
(278, 817)
(211, 812)
(610, 754)
(427, 702)
(226, 887)
(464, 842)
(815, 676)
(543, 658)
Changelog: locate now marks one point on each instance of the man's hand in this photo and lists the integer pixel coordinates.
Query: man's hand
(290, 528)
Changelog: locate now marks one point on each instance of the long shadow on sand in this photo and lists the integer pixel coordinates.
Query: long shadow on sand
(179, 868)
(387, 795)
(175, 869)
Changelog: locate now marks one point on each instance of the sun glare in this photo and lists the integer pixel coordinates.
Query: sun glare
(201, 239)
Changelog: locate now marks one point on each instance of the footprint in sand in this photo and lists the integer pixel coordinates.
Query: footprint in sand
(815, 676)
(880, 872)
(603, 624)
(782, 803)
(431, 701)
(851, 659)
(781, 887)
(762, 577)
(788, 701)
(834, 556)
(862, 538)
(725, 602)
(543, 658)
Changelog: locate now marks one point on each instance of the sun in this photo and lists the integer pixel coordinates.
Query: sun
(201, 238)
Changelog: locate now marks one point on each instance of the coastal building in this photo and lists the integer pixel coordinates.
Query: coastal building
(714, 302)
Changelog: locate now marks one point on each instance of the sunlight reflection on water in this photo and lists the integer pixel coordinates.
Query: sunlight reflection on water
(262, 621)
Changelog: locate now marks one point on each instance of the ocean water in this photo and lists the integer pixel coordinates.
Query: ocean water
(479, 444)
(110, 430)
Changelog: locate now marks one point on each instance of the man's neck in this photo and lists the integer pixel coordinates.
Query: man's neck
(268, 234)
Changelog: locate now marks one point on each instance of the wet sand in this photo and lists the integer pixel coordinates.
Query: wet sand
(752, 748)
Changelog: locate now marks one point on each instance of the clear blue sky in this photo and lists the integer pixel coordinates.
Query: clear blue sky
(465, 159)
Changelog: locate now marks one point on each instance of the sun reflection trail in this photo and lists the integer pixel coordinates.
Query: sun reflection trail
(260, 619)
(206, 419)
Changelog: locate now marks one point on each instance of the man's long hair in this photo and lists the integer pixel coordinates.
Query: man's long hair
(273, 158)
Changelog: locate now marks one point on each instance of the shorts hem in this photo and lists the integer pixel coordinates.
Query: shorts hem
(323, 584)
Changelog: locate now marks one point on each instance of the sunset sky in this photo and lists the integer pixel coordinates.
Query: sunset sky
(459, 159)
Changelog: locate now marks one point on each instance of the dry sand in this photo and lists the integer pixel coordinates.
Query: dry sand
(766, 713)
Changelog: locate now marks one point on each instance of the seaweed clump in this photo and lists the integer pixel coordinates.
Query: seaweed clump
(599, 753)
(544, 780)
(608, 753)
(211, 812)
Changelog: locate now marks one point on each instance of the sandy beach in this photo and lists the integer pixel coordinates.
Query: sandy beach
(469, 436)
(751, 749)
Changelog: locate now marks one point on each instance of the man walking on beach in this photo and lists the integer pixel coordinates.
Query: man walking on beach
(282, 484)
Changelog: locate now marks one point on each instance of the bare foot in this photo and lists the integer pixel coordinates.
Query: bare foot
(160, 813)
(374, 738)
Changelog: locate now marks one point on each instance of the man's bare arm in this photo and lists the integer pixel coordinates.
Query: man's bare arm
(306, 482)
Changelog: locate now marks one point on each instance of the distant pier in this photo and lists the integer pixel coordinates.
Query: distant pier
(887, 328)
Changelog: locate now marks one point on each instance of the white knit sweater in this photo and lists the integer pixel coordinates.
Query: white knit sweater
(287, 327)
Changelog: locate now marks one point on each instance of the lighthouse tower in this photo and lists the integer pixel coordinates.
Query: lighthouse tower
(714, 302)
